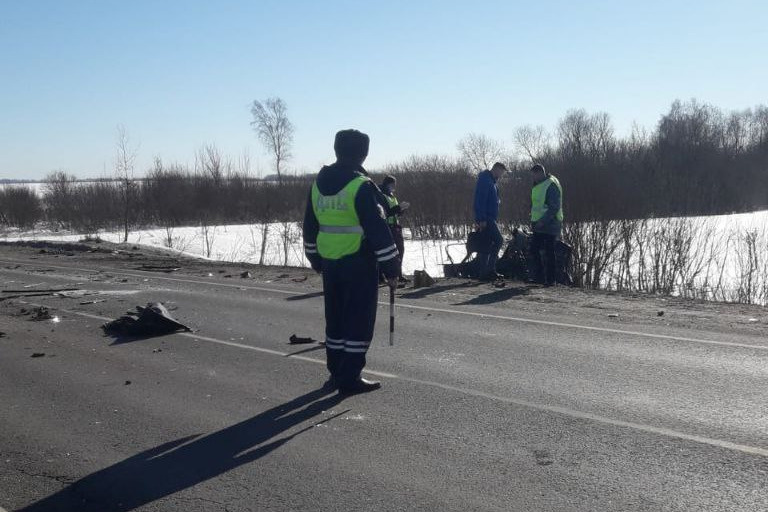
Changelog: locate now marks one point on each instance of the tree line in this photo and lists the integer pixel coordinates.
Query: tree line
(698, 160)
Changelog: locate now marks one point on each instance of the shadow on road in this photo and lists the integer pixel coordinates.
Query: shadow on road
(304, 296)
(177, 465)
(425, 292)
(493, 297)
(304, 351)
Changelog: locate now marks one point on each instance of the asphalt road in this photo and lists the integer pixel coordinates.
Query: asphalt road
(481, 408)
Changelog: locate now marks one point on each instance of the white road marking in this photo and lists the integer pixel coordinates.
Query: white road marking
(565, 411)
(666, 337)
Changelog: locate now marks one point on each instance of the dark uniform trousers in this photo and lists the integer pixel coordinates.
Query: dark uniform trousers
(543, 244)
(397, 235)
(351, 288)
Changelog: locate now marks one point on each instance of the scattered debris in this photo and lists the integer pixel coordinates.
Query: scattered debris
(245, 275)
(543, 457)
(127, 383)
(421, 279)
(38, 354)
(48, 290)
(660, 313)
(41, 313)
(295, 340)
(159, 268)
(152, 320)
(155, 351)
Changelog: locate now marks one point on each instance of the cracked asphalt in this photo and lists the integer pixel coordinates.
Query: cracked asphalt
(489, 404)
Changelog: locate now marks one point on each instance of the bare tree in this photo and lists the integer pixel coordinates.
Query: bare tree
(480, 151)
(124, 167)
(210, 162)
(274, 129)
(532, 141)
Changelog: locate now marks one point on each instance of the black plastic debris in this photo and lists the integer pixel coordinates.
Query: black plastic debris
(38, 354)
(159, 268)
(152, 320)
(2, 334)
(296, 340)
(40, 313)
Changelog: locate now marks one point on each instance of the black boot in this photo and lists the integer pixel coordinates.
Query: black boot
(360, 386)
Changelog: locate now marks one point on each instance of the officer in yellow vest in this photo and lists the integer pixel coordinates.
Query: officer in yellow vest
(546, 223)
(394, 209)
(347, 239)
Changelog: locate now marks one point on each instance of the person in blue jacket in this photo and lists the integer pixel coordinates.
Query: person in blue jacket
(346, 237)
(486, 217)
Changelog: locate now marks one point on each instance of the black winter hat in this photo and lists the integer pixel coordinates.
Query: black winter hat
(351, 145)
(388, 179)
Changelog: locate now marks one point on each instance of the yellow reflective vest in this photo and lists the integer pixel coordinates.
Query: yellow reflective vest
(340, 233)
(539, 199)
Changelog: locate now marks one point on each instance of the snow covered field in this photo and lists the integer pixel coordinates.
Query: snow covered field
(720, 244)
(242, 243)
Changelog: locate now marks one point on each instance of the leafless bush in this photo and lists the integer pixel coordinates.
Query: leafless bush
(19, 207)
(595, 249)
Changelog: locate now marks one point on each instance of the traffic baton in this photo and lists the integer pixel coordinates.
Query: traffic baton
(391, 316)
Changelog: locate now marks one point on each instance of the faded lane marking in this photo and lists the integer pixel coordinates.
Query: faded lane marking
(667, 337)
(565, 411)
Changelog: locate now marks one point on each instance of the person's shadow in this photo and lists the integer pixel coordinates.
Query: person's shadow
(188, 461)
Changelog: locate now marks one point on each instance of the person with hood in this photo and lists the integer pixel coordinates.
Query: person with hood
(546, 223)
(346, 237)
(486, 215)
(394, 209)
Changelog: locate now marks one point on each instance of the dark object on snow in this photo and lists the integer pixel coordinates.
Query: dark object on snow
(2, 334)
(38, 354)
(245, 275)
(479, 241)
(152, 320)
(296, 340)
(515, 262)
(660, 313)
(421, 279)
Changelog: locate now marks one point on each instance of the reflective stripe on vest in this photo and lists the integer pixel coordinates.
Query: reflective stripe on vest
(392, 202)
(539, 199)
(340, 233)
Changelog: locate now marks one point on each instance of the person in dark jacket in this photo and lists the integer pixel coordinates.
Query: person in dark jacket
(486, 215)
(347, 239)
(546, 223)
(394, 209)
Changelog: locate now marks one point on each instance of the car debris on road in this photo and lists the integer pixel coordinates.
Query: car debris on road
(151, 320)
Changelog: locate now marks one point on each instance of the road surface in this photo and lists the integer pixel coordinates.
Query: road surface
(484, 406)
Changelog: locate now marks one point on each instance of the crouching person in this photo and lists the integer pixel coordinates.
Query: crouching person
(347, 239)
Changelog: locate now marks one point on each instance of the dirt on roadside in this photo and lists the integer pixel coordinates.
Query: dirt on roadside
(561, 304)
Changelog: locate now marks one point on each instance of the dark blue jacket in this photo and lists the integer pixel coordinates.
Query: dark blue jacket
(486, 198)
(377, 239)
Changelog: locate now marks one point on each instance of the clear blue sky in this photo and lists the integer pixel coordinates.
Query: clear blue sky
(416, 75)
